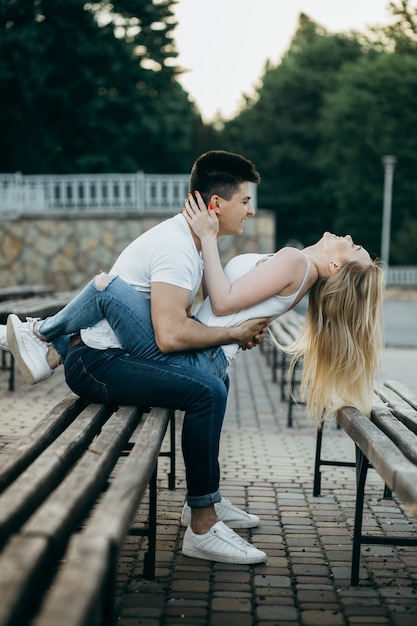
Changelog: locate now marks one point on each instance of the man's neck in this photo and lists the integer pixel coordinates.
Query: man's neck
(196, 239)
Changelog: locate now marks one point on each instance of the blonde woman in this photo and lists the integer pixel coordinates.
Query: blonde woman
(341, 340)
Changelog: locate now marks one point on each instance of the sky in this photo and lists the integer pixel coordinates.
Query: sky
(223, 44)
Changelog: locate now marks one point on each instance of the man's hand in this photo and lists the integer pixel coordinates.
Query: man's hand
(250, 333)
(255, 341)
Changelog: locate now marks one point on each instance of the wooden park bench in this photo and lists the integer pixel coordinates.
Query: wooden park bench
(24, 291)
(387, 442)
(66, 509)
(37, 306)
(284, 330)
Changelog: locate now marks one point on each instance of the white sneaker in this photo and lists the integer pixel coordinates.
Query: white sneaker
(221, 544)
(28, 350)
(226, 512)
(4, 344)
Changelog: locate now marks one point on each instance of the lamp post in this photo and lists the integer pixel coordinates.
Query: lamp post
(389, 162)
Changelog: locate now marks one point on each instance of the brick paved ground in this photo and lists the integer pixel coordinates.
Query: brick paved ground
(266, 468)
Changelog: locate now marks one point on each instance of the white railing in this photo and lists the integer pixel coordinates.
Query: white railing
(67, 194)
(91, 193)
(401, 276)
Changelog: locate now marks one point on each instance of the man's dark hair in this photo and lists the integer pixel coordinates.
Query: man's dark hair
(220, 172)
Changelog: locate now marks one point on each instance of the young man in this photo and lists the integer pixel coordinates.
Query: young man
(165, 265)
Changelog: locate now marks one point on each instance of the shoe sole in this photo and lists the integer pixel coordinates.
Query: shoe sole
(14, 347)
(197, 554)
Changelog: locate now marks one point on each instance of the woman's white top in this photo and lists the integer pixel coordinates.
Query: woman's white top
(272, 307)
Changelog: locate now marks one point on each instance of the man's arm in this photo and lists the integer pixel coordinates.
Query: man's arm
(175, 331)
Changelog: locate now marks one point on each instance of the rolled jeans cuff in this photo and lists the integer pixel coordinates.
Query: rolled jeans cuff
(198, 502)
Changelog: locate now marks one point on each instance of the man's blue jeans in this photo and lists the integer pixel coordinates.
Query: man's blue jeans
(128, 313)
(141, 375)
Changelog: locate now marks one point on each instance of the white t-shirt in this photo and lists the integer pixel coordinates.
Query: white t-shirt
(166, 253)
(272, 307)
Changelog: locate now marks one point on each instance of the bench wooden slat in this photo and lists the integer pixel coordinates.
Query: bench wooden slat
(65, 507)
(38, 306)
(409, 396)
(292, 322)
(81, 574)
(21, 498)
(386, 442)
(285, 329)
(17, 456)
(94, 553)
(399, 407)
(132, 479)
(24, 291)
(398, 432)
(75, 480)
(280, 333)
(405, 488)
(15, 584)
(395, 469)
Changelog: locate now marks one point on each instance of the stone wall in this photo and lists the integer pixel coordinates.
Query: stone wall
(66, 252)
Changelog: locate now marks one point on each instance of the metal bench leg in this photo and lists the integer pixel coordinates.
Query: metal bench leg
(172, 473)
(317, 463)
(108, 604)
(362, 465)
(149, 561)
(274, 365)
(11, 372)
(291, 400)
(289, 413)
(171, 453)
(387, 492)
(283, 380)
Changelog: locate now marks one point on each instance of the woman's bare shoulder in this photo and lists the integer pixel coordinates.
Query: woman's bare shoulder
(291, 255)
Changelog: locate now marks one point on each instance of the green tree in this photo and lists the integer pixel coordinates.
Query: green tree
(400, 36)
(91, 87)
(373, 112)
(279, 130)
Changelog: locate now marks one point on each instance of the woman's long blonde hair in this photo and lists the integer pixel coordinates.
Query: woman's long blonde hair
(341, 341)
